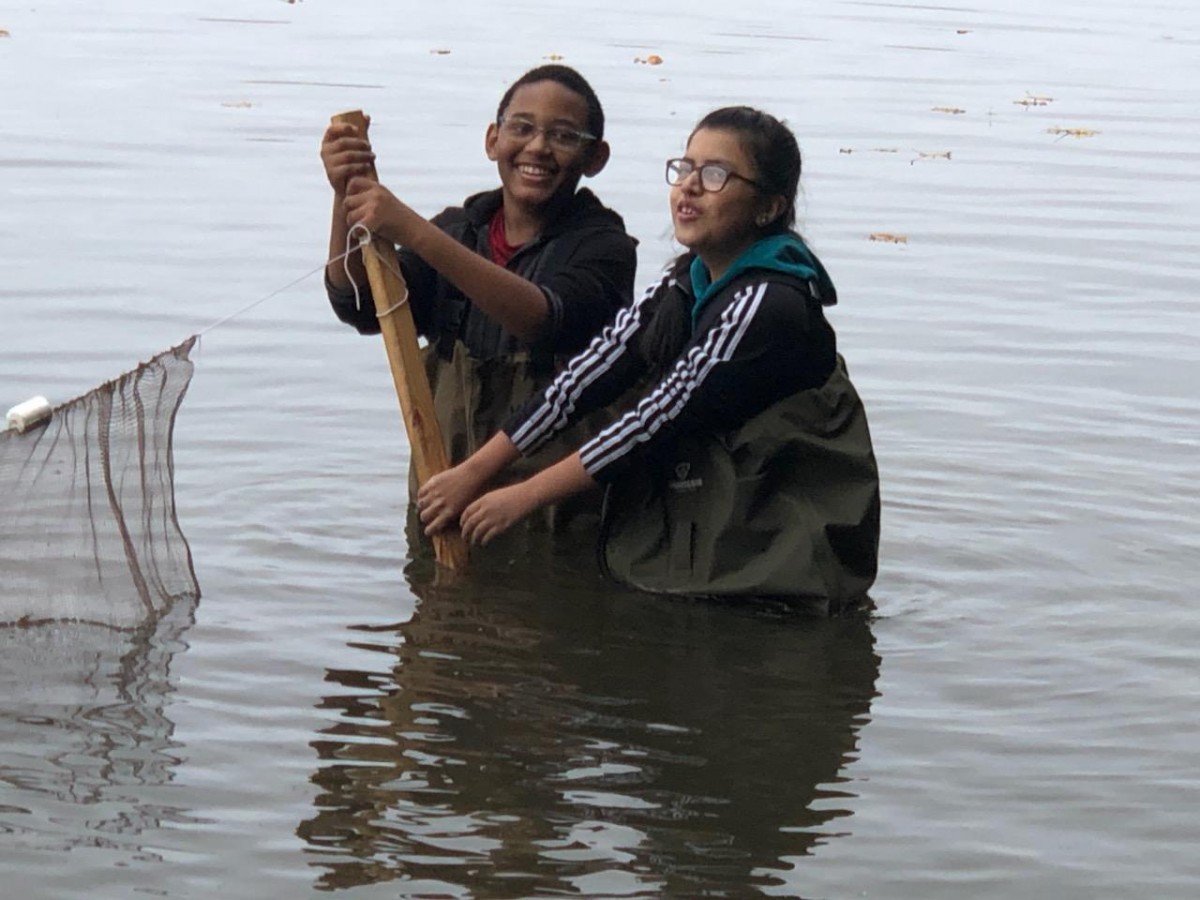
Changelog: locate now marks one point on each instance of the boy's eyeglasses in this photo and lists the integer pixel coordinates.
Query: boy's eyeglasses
(713, 176)
(559, 137)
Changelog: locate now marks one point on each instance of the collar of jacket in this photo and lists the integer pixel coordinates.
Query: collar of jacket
(582, 210)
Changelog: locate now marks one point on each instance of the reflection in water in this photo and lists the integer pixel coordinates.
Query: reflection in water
(84, 736)
(539, 731)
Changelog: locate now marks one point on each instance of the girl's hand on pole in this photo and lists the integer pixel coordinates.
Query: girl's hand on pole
(345, 154)
(441, 499)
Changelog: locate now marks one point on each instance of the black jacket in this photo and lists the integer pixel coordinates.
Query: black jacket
(762, 338)
(583, 261)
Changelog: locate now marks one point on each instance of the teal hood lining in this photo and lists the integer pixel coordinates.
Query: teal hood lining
(786, 253)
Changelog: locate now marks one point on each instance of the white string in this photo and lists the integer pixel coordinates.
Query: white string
(264, 299)
(395, 306)
(364, 240)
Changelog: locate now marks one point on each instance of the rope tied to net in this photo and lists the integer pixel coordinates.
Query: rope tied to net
(364, 243)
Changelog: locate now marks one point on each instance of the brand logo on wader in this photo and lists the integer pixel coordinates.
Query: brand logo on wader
(682, 482)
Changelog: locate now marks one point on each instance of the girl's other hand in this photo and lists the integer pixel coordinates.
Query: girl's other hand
(496, 512)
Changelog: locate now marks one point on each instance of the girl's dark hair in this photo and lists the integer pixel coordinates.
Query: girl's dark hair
(572, 81)
(773, 150)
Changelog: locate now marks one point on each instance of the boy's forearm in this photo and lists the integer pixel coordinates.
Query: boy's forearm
(517, 304)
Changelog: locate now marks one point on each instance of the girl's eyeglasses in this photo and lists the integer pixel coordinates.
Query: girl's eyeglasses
(713, 176)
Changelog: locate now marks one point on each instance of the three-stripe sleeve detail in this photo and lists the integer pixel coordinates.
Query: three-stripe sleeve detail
(667, 400)
(561, 396)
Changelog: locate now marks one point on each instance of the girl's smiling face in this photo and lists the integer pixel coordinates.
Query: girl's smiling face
(718, 225)
(534, 173)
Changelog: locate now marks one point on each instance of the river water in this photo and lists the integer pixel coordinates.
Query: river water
(1018, 718)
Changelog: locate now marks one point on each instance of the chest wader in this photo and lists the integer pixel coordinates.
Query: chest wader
(786, 506)
(474, 397)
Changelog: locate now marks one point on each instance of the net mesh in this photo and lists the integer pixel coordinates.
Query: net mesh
(88, 530)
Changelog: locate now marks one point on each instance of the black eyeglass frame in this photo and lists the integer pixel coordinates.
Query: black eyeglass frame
(680, 162)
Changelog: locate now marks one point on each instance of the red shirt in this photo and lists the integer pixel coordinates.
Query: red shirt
(502, 250)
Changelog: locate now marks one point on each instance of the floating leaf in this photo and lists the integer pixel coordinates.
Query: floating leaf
(237, 104)
(942, 154)
(963, 31)
(1073, 132)
(953, 110)
(1034, 100)
(652, 60)
(553, 57)
(888, 238)
(439, 52)
(4, 33)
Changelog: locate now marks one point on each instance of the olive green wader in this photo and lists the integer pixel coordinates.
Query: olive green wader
(474, 397)
(786, 506)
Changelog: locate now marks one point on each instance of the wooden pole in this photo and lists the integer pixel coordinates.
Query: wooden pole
(408, 371)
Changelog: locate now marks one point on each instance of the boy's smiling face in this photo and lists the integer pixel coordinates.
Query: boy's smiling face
(532, 172)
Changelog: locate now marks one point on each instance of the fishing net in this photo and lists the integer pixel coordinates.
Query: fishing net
(88, 530)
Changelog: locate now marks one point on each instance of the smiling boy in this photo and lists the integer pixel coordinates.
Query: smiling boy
(512, 282)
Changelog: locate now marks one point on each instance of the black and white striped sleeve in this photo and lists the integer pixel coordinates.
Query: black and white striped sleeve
(595, 377)
(741, 363)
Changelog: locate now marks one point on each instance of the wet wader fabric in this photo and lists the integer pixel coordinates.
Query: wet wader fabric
(787, 505)
(474, 397)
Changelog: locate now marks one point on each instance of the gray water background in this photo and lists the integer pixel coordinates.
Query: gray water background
(1018, 720)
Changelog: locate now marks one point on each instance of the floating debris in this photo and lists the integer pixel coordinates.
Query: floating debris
(4, 33)
(962, 31)
(952, 110)
(941, 154)
(237, 104)
(1073, 132)
(888, 238)
(553, 57)
(869, 150)
(1033, 100)
(439, 52)
(652, 60)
